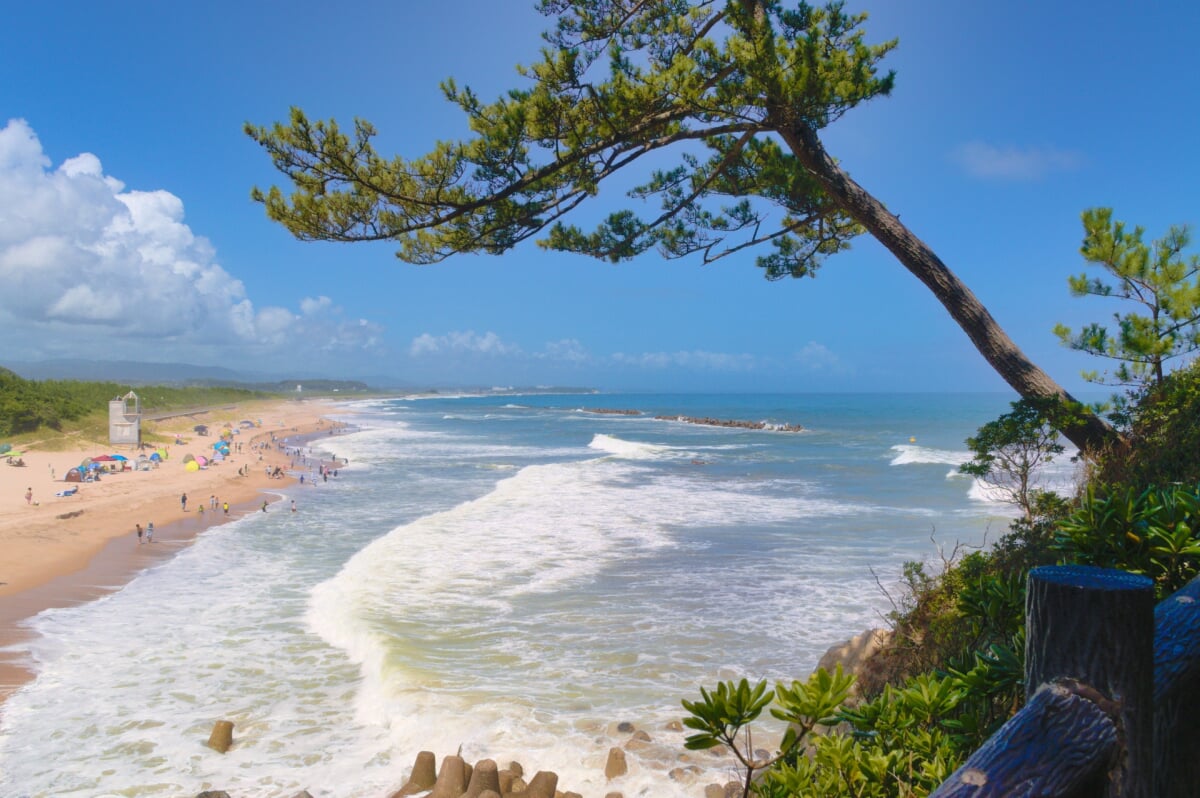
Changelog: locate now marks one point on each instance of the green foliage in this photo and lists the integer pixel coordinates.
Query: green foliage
(1163, 432)
(725, 713)
(1154, 532)
(1158, 278)
(1009, 451)
(27, 405)
(711, 82)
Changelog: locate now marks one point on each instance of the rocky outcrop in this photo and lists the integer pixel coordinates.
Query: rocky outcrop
(852, 654)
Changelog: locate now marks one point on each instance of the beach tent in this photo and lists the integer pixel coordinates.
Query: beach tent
(87, 462)
(247, 424)
(218, 456)
(74, 475)
(162, 453)
(143, 463)
(200, 429)
(5, 448)
(189, 457)
(155, 457)
(192, 465)
(202, 460)
(221, 445)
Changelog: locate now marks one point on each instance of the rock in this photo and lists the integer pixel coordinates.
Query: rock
(213, 794)
(568, 795)
(542, 786)
(852, 653)
(507, 779)
(516, 769)
(489, 794)
(733, 789)
(616, 765)
(681, 774)
(714, 791)
(452, 779)
(423, 776)
(484, 777)
(518, 785)
(641, 735)
(303, 794)
(222, 736)
(674, 725)
(613, 795)
(625, 727)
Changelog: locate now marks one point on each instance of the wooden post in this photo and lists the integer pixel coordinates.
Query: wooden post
(1095, 626)
(1177, 694)
(1053, 748)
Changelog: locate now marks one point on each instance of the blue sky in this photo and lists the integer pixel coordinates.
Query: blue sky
(127, 232)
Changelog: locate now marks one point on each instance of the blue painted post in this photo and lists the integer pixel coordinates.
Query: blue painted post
(1095, 626)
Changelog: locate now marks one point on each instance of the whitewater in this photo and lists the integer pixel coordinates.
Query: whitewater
(509, 576)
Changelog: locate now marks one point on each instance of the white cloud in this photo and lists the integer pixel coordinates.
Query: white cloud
(818, 357)
(988, 161)
(467, 342)
(568, 349)
(82, 257)
(714, 361)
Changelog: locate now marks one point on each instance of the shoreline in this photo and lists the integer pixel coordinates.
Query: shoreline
(55, 559)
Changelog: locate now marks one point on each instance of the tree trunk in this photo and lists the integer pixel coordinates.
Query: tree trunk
(1085, 429)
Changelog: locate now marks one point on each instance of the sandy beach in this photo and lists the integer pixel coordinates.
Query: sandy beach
(61, 550)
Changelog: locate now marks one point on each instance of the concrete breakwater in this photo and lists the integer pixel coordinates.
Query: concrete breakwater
(721, 422)
(705, 421)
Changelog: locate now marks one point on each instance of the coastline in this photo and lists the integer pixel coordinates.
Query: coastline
(65, 551)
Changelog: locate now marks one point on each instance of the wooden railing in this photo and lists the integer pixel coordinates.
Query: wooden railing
(1113, 694)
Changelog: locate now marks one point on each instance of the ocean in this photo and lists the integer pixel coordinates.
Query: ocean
(510, 576)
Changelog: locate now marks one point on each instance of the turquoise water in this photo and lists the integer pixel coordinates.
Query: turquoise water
(509, 575)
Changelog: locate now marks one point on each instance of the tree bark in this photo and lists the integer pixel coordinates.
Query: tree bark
(1087, 431)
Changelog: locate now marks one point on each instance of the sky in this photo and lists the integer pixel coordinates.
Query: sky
(127, 231)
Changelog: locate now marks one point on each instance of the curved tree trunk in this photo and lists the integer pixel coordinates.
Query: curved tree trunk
(1086, 430)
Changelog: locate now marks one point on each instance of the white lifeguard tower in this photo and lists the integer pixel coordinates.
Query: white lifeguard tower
(125, 420)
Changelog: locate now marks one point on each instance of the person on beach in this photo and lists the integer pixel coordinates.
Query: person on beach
(183, 502)
(29, 495)
(150, 532)
(264, 505)
(225, 507)
(200, 509)
(138, 527)
(293, 505)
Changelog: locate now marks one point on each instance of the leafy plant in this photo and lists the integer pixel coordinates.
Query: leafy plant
(725, 714)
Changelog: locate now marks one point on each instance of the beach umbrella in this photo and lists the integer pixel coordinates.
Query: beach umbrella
(104, 458)
(192, 466)
(119, 457)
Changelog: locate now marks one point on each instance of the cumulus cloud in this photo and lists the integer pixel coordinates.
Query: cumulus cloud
(988, 161)
(466, 342)
(79, 252)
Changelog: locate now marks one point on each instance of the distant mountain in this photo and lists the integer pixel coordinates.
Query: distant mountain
(131, 372)
(136, 373)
